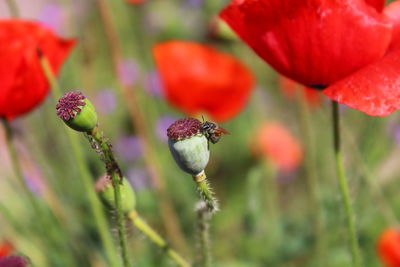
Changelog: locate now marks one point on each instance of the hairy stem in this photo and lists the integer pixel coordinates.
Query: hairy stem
(157, 239)
(114, 172)
(344, 189)
(95, 205)
(203, 217)
(205, 192)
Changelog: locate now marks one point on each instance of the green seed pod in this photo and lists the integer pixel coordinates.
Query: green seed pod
(188, 146)
(105, 189)
(77, 111)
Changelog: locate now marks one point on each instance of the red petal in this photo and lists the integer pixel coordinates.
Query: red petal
(199, 78)
(314, 42)
(393, 12)
(377, 4)
(374, 89)
(24, 85)
(389, 247)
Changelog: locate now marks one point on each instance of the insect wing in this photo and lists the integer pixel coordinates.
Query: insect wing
(220, 131)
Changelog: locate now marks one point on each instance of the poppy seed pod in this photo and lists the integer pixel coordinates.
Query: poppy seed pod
(105, 189)
(77, 111)
(188, 146)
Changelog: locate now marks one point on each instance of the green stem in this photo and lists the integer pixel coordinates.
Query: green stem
(95, 205)
(344, 189)
(203, 216)
(157, 239)
(12, 5)
(206, 193)
(114, 172)
(17, 168)
(311, 173)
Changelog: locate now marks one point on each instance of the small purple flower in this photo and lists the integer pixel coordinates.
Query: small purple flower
(138, 178)
(162, 125)
(53, 16)
(153, 84)
(128, 72)
(195, 3)
(105, 101)
(128, 148)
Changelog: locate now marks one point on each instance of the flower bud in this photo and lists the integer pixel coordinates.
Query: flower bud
(105, 189)
(77, 111)
(188, 146)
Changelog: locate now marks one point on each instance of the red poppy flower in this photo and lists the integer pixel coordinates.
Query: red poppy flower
(23, 84)
(199, 78)
(389, 247)
(6, 248)
(275, 142)
(319, 42)
(290, 88)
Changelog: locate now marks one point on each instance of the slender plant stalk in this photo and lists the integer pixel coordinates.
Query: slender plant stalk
(203, 217)
(344, 189)
(168, 212)
(207, 207)
(311, 173)
(114, 172)
(17, 168)
(12, 5)
(157, 239)
(95, 205)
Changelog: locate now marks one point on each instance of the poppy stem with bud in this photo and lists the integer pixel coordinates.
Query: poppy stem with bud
(190, 149)
(102, 146)
(344, 188)
(94, 203)
(79, 114)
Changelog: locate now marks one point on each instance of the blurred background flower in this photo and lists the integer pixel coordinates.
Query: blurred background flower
(277, 145)
(197, 78)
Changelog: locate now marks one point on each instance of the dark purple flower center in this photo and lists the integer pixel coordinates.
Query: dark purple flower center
(70, 104)
(184, 128)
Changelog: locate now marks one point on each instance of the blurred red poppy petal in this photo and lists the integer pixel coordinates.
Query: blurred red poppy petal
(6, 248)
(23, 83)
(393, 12)
(389, 247)
(377, 4)
(198, 78)
(279, 146)
(374, 89)
(313, 42)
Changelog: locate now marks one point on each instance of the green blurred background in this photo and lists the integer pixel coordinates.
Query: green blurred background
(266, 216)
